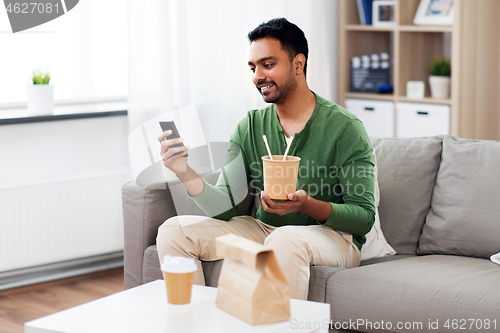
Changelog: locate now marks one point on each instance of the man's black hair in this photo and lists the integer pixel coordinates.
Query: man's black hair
(292, 39)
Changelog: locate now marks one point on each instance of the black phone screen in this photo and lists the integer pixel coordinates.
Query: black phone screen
(170, 125)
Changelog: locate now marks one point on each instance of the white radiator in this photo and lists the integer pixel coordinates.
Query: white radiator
(60, 220)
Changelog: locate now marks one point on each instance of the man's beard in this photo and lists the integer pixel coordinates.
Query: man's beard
(282, 93)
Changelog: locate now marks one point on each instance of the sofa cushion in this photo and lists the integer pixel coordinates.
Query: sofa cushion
(386, 258)
(416, 289)
(464, 215)
(407, 171)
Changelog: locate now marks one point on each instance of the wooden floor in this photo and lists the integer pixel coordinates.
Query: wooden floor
(20, 305)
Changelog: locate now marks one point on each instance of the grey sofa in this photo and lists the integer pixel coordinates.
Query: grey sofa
(440, 211)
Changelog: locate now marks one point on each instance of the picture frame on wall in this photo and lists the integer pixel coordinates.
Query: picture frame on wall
(384, 13)
(434, 12)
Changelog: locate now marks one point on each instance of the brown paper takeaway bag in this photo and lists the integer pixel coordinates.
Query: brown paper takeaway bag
(251, 285)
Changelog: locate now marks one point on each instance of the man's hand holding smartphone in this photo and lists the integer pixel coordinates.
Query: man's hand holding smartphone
(173, 151)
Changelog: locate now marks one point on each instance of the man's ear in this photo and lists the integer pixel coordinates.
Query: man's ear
(298, 63)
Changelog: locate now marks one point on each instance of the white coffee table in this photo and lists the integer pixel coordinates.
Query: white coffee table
(145, 309)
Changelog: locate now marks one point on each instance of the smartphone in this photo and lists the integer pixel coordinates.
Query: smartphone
(170, 125)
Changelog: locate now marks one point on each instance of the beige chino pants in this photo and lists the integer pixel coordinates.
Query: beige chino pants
(295, 247)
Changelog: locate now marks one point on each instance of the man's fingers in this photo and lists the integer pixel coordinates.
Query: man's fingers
(264, 204)
(165, 144)
(171, 160)
(297, 196)
(268, 209)
(170, 153)
(168, 143)
(280, 208)
(264, 199)
(163, 135)
(270, 202)
(283, 207)
(301, 193)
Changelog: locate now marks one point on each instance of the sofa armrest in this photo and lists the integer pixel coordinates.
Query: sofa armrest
(317, 282)
(144, 210)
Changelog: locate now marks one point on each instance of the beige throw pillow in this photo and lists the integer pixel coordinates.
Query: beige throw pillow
(376, 246)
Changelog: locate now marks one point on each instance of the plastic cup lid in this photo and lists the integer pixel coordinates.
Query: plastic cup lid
(178, 265)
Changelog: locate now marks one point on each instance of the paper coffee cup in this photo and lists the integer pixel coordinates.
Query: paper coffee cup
(280, 177)
(178, 273)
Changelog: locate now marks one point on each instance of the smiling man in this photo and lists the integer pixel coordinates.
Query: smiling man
(325, 221)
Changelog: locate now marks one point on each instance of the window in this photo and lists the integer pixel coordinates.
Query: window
(85, 51)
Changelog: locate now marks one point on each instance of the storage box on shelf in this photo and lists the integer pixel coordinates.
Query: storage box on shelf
(377, 116)
(418, 119)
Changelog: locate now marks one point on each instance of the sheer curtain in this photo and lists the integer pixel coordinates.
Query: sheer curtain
(184, 52)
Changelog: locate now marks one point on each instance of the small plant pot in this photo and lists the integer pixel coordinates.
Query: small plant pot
(440, 86)
(40, 99)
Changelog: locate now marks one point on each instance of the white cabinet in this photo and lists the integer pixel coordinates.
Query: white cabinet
(377, 116)
(420, 119)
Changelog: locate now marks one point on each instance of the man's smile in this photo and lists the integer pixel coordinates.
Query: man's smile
(265, 88)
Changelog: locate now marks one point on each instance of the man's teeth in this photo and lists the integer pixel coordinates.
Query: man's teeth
(264, 88)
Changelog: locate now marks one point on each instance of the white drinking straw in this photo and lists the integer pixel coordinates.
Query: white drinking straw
(287, 148)
(267, 147)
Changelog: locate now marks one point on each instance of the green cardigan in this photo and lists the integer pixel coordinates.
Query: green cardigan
(336, 166)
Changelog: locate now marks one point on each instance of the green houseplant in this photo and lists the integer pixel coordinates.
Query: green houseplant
(40, 95)
(439, 79)
(39, 78)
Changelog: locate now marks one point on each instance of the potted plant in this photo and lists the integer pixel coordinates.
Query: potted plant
(40, 95)
(439, 80)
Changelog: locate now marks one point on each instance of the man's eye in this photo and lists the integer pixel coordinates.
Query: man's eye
(268, 65)
(252, 69)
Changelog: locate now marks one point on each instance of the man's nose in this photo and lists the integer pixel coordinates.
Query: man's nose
(258, 76)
